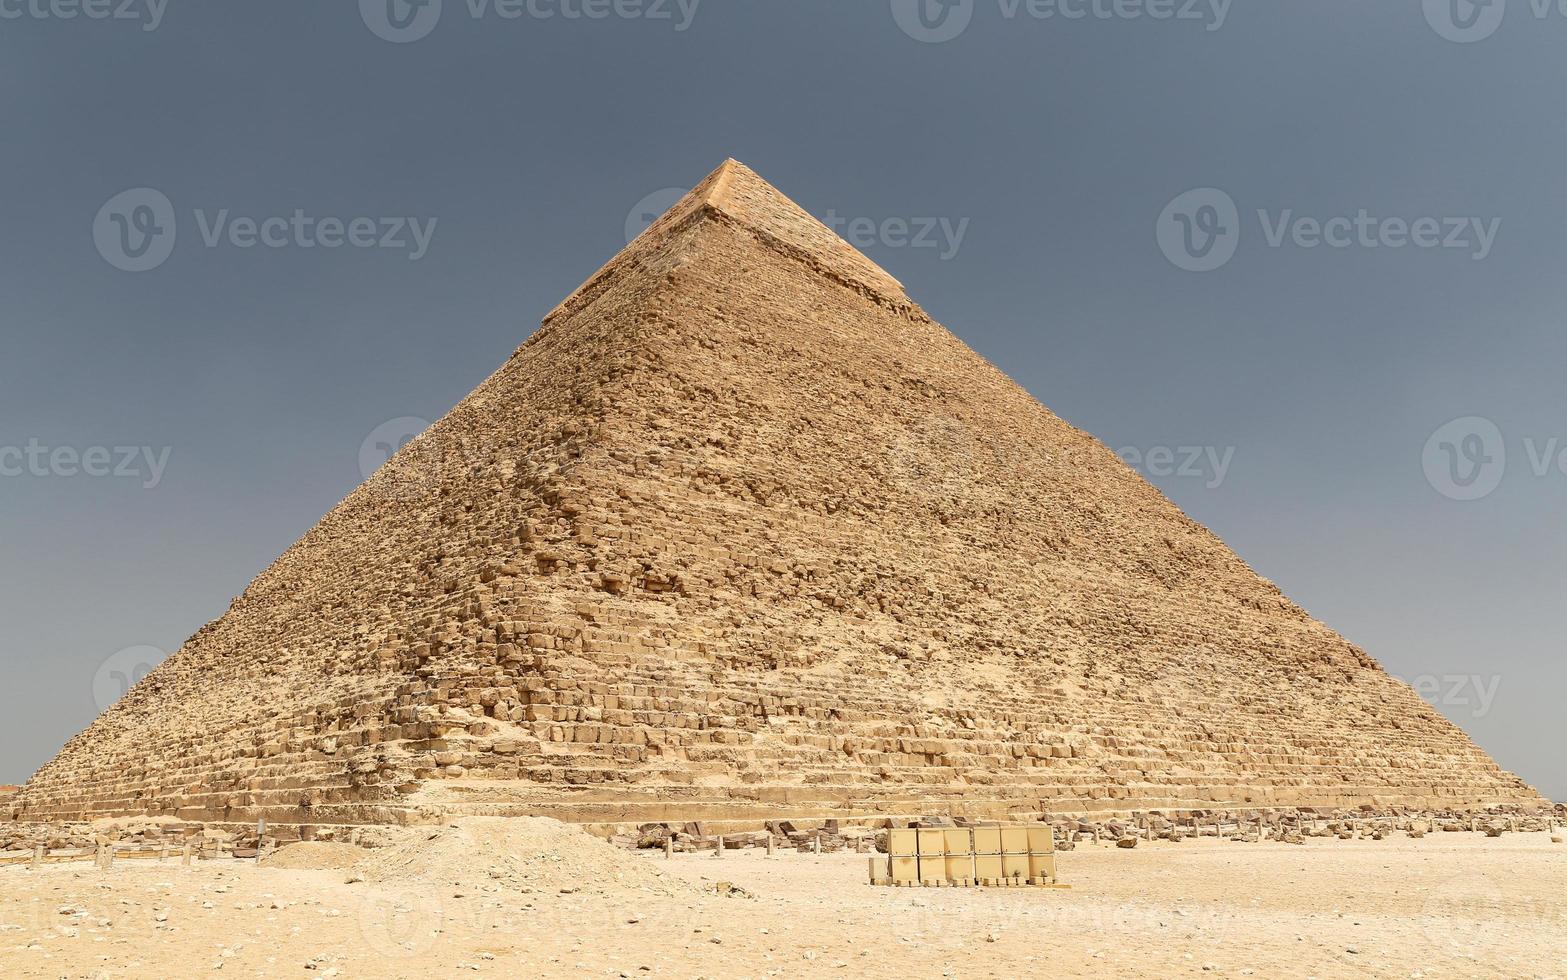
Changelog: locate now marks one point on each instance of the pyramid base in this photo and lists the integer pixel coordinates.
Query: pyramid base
(735, 809)
(751, 807)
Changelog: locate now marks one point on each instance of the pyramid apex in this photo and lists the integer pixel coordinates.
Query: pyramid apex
(714, 188)
(735, 193)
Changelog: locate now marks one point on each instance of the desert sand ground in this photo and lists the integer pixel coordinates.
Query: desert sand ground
(1450, 905)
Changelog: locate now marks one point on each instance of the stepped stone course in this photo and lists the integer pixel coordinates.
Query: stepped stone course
(742, 534)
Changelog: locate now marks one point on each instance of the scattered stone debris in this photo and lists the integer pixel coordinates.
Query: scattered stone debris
(344, 847)
(529, 854)
(315, 856)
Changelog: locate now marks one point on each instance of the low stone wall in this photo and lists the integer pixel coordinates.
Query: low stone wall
(827, 836)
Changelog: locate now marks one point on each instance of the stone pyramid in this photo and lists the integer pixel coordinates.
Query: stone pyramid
(741, 533)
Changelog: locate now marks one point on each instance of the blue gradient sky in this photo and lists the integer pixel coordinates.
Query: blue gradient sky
(1055, 144)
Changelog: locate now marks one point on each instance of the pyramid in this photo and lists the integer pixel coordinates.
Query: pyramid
(739, 534)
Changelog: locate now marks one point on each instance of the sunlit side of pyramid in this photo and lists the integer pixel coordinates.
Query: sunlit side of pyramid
(741, 533)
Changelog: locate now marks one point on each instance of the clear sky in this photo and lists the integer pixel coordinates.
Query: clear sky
(1379, 209)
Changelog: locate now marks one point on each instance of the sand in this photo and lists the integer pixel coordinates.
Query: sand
(522, 854)
(315, 856)
(1450, 905)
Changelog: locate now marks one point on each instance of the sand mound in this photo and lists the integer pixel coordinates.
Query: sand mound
(521, 853)
(315, 856)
